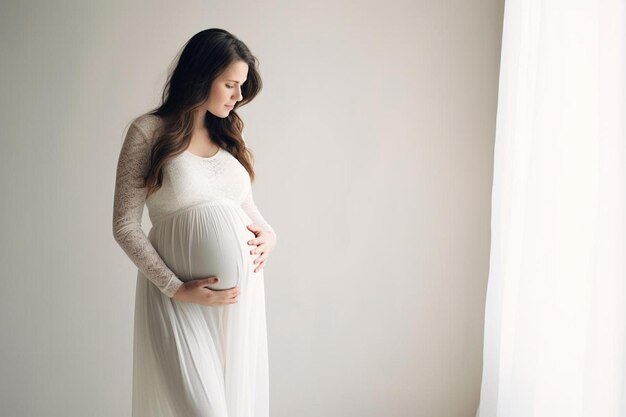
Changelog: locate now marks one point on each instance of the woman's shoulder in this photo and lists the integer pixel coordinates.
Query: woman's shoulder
(147, 123)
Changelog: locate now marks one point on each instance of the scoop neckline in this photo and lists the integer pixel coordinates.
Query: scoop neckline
(219, 151)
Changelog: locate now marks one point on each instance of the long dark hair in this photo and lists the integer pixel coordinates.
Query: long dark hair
(203, 58)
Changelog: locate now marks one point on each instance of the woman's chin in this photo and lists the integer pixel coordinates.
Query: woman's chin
(222, 115)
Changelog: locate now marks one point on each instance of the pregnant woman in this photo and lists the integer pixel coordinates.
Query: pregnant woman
(200, 340)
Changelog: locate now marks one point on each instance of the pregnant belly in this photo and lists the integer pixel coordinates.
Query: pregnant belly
(206, 240)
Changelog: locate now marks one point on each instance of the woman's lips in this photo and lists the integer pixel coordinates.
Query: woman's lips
(229, 106)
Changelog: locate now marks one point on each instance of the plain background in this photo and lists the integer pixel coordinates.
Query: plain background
(373, 137)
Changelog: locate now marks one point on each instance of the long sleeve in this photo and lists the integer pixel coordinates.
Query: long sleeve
(129, 201)
(253, 212)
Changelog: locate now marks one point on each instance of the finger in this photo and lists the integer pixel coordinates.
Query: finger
(209, 280)
(234, 298)
(233, 292)
(205, 282)
(259, 249)
(260, 258)
(258, 239)
(258, 268)
(231, 298)
(227, 296)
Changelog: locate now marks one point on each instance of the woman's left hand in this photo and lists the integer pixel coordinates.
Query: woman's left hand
(264, 241)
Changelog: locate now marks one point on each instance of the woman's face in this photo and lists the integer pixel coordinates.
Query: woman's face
(226, 89)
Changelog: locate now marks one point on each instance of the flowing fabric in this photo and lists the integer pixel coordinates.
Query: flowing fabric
(555, 319)
(194, 360)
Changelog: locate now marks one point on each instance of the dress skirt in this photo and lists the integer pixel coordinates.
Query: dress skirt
(192, 360)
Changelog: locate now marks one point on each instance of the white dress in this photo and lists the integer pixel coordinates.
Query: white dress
(192, 360)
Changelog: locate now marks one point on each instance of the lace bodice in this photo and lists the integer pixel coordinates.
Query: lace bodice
(187, 180)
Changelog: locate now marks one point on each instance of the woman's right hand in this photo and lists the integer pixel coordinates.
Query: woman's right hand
(195, 291)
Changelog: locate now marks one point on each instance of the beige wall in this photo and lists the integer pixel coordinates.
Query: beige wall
(374, 140)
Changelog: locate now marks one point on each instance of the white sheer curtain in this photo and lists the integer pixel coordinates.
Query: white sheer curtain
(555, 318)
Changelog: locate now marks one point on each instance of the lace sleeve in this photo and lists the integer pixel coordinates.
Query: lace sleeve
(252, 211)
(129, 200)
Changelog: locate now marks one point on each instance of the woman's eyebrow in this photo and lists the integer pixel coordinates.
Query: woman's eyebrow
(235, 81)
